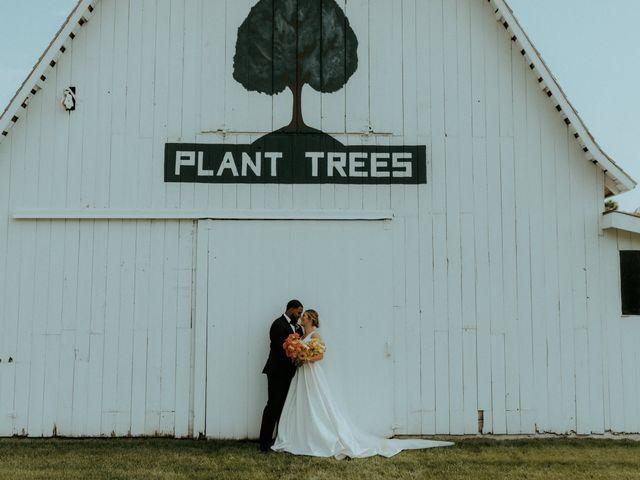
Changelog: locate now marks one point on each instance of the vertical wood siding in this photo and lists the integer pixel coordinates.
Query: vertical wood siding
(506, 293)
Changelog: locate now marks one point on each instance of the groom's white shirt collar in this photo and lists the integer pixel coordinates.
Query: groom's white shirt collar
(289, 322)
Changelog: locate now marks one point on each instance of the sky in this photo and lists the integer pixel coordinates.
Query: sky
(589, 45)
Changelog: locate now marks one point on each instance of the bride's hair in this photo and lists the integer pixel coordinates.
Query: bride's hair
(314, 317)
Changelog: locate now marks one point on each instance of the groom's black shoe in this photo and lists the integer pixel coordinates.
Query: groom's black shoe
(265, 448)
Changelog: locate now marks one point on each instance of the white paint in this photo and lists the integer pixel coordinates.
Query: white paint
(501, 290)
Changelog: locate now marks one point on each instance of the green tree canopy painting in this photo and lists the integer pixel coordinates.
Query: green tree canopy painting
(289, 43)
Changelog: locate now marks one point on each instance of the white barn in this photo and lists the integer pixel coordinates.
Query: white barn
(136, 303)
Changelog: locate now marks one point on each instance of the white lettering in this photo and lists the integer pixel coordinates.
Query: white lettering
(314, 157)
(356, 160)
(379, 160)
(337, 165)
(228, 163)
(406, 165)
(185, 159)
(247, 162)
(274, 157)
(201, 171)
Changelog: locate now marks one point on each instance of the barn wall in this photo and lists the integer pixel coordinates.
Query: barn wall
(498, 301)
(96, 318)
(621, 335)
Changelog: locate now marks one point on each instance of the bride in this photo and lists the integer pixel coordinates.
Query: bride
(312, 423)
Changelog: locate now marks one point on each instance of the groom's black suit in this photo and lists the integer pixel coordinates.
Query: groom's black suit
(279, 370)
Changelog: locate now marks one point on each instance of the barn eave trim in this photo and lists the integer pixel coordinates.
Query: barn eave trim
(621, 181)
(49, 59)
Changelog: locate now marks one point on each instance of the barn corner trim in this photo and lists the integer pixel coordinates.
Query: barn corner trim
(616, 179)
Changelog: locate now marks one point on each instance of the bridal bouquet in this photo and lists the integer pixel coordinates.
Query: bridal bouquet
(293, 346)
(314, 348)
(301, 352)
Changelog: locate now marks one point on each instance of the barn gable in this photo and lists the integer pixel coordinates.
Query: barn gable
(616, 180)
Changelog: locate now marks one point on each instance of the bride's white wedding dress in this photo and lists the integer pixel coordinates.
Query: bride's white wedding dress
(312, 423)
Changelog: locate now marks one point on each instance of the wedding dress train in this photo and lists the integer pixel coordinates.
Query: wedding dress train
(312, 424)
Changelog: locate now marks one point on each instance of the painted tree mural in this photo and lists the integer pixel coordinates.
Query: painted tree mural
(291, 43)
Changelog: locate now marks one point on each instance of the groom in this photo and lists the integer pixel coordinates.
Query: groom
(279, 370)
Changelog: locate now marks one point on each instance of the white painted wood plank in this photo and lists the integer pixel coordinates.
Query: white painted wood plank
(578, 282)
(142, 305)
(494, 188)
(385, 18)
(357, 95)
(481, 211)
(156, 113)
(537, 229)
(437, 121)
(60, 148)
(610, 264)
(427, 321)
(441, 349)
(46, 141)
(97, 327)
(192, 72)
(39, 329)
(412, 312)
(82, 330)
(482, 281)
(440, 293)
(453, 233)
(498, 388)
(154, 329)
(592, 207)
(175, 72)
(199, 338)
(88, 91)
(465, 105)
(470, 382)
(564, 281)
(111, 325)
(124, 328)
(469, 355)
(522, 169)
(185, 291)
(401, 359)
(106, 74)
(67, 348)
(508, 237)
(551, 293)
(214, 69)
(24, 350)
(631, 382)
(169, 328)
(118, 83)
(51, 376)
(6, 324)
(582, 380)
(410, 203)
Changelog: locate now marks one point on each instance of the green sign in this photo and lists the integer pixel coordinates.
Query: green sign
(288, 44)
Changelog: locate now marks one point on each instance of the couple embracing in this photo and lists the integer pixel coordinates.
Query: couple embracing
(301, 404)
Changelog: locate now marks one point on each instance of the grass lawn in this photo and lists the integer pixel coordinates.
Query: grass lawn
(96, 459)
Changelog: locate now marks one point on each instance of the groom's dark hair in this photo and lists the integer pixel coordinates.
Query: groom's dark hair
(293, 304)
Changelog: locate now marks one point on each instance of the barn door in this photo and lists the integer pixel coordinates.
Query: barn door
(341, 269)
